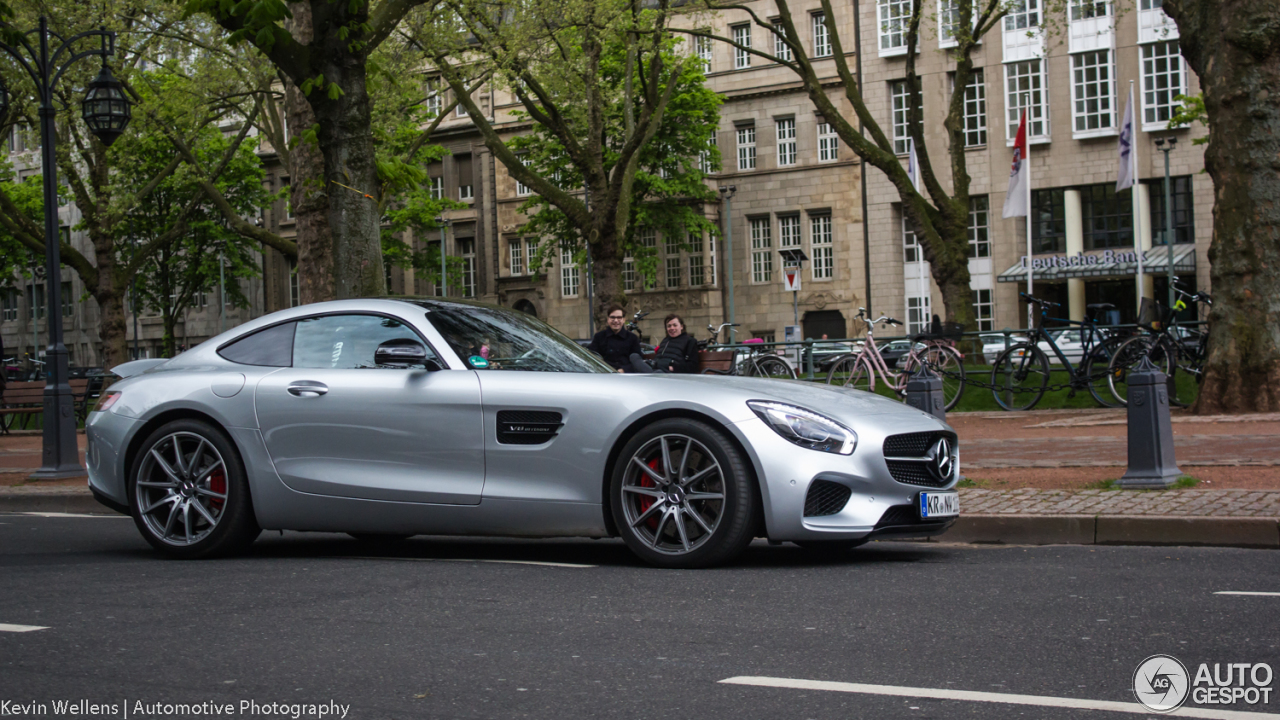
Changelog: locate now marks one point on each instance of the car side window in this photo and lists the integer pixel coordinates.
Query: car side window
(347, 341)
(272, 347)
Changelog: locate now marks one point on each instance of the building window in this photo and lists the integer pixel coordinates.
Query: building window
(979, 227)
(1184, 228)
(741, 36)
(780, 47)
(1107, 216)
(789, 231)
(1162, 81)
(568, 274)
(522, 190)
(697, 265)
(747, 147)
(711, 255)
(1087, 9)
(10, 297)
(628, 274)
(705, 163)
(460, 110)
(467, 249)
(984, 310)
(895, 16)
(648, 237)
(437, 188)
(295, 297)
(828, 143)
(910, 247)
(1049, 227)
(901, 136)
(948, 21)
(975, 110)
(516, 253)
(671, 246)
(68, 300)
(1022, 16)
(821, 40)
(1091, 91)
(702, 48)
(434, 99)
(761, 251)
(35, 301)
(465, 192)
(822, 247)
(1025, 90)
(786, 141)
(918, 315)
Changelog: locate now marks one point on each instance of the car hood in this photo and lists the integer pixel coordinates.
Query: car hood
(832, 400)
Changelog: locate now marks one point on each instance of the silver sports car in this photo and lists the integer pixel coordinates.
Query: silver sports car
(396, 417)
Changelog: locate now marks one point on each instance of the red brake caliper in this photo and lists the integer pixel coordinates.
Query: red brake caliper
(646, 502)
(218, 484)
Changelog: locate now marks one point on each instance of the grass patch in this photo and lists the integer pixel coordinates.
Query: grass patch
(1102, 485)
(968, 483)
(1185, 482)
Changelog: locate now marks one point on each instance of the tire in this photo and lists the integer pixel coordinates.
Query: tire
(189, 494)
(947, 363)
(830, 547)
(1098, 367)
(1021, 373)
(773, 367)
(1127, 358)
(851, 371)
(690, 517)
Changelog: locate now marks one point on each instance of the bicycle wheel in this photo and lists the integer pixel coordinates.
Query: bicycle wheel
(1127, 358)
(1019, 377)
(851, 371)
(1098, 368)
(946, 362)
(774, 367)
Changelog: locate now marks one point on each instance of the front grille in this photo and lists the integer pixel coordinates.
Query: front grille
(825, 498)
(914, 473)
(897, 515)
(914, 444)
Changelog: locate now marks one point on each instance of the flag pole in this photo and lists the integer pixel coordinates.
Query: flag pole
(1027, 159)
(1137, 213)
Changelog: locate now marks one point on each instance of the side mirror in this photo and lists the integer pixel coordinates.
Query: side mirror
(402, 353)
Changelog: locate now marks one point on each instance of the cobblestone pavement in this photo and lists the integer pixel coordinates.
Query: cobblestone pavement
(1184, 503)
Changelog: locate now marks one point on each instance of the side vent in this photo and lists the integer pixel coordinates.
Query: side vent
(527, 427)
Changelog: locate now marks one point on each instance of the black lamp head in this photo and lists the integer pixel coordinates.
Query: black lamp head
(106, 110)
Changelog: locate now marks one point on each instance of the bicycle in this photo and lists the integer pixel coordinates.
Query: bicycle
(755, 362)
(1020, 374)
(858, 369)
(1165, 346)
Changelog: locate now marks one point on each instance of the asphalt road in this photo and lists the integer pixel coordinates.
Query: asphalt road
(460, 628)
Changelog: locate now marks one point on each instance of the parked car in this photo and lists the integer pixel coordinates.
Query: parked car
(825, 352)
(993, 344)
(1068, 341)
(373, 417)
(894, 351)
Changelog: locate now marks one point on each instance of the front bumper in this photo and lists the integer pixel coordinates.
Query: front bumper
(878, 505)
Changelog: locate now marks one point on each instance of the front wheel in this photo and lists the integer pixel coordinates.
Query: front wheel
(1098, 368)
(851, 371)
(1019, 377)
(189, 494)
(773, 367)
(1126, 359)
(682, 495)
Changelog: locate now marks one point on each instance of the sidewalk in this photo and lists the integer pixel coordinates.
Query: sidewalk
(1032, 478)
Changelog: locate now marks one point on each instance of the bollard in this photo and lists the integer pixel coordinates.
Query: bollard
(1151, 460)
(924, 392)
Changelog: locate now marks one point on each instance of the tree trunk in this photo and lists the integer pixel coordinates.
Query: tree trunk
(1234, 46)
(309, 199)
(606, 267)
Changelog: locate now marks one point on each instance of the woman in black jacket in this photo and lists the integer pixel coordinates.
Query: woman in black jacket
(677, 353)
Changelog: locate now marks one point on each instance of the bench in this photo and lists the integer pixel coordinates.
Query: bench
(23, 400)
(716, 362)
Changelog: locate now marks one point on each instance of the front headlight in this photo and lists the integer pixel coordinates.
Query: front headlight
(806, 428)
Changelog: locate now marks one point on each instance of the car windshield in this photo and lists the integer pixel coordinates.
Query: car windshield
(496, 339)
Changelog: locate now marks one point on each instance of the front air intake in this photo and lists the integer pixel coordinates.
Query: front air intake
(825, 498)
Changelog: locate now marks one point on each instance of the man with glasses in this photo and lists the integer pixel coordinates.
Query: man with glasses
(615, 344)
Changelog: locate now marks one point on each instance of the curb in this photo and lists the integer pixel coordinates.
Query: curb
(79, 502)
(1248, 532)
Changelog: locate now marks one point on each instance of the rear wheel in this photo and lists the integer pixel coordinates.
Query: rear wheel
(1126, 360)
(1098, 368)
(851, 372)
(773, 367)
(682, 495)
(1019, 377)
(189, 494)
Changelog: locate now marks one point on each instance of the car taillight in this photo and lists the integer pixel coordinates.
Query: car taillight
(105, 401)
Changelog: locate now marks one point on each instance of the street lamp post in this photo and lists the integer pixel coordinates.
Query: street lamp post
(106, 112)
(1168, 210)
(726, 193)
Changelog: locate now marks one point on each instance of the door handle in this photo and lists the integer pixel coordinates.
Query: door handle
(307, 388)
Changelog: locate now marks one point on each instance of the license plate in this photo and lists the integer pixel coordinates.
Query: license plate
(934, 505)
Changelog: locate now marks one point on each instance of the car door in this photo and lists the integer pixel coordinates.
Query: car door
(336, 424)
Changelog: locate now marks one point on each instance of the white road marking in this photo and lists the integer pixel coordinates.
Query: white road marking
(474, 560)
(5, 627)
(972, 696)
(1243, 592)
(70, 515)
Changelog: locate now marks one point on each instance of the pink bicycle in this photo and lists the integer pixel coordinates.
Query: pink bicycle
(859, 369)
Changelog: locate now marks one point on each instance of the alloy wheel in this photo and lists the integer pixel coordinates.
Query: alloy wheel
(673, 494)
(182, 488)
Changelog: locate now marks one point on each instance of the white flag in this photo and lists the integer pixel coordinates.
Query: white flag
(1015, 201)
(1124, 179)
(913, 166)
